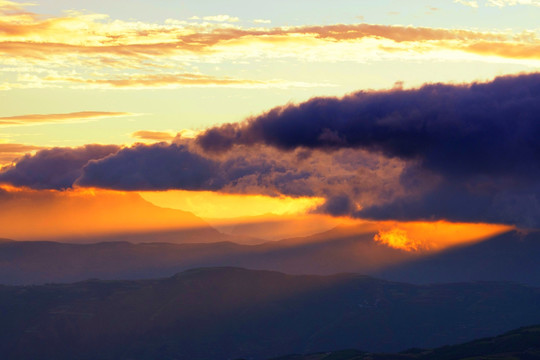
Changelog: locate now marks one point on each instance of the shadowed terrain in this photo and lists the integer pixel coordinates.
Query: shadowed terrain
(508, 257)
(523, 343)
(225, 313)
(512, 256)
(339, 250)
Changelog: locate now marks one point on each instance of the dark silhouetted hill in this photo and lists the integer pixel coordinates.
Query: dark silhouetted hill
(523, 343)
(228, 313)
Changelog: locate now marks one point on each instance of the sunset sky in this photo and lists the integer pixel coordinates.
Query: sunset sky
(350, 108)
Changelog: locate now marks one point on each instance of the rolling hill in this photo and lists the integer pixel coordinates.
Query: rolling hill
(227, 313)
(338, 250)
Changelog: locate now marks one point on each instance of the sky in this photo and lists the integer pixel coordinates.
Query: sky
(389, 110)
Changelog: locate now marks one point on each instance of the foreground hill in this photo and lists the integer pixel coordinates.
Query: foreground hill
(523, 343)
(227, 313)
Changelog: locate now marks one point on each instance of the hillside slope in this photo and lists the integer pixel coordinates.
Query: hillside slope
(227, 313)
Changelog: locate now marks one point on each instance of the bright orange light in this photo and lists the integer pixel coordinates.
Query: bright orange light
(398, 238)
(28, 214)
(424, 236)
(208, 204)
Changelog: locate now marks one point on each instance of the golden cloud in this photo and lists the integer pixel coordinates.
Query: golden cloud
(142, 81)
(154, 135)
(94, 42)
(54, 118)
(9, 152)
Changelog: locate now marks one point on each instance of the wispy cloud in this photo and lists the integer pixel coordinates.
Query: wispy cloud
(144, 81)
(154, 135)
(44, 47)
(33, 119)
(221, 18)
(10, 152)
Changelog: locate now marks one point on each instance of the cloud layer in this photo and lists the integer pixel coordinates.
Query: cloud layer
(111, 53)
(472, 147)
(459, 152)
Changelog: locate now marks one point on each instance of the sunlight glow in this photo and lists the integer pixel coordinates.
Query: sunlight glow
(209, 204)
(434, 236)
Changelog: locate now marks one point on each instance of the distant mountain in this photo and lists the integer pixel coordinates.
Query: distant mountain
(28, 262)
(228, 313)
(272, 227)
(508, 257)
(513, 256)
(339, 250)
(92, 216)
(523, 343)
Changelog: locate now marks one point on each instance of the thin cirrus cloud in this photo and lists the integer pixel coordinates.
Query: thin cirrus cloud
(34, 119)
(176, 80)
(465, 152)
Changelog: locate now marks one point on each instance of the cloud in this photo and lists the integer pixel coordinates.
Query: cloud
(55, 168)
(471, 3)
(471, 149)
(176, 80)
(33, 119)
(264, 171)
(154, 135)
(243, 170)
(466, 152)
(221, 18)
(481, 128)
(112, 53)
(155, 167)
(499, 3)
(10, 152)
(17, 148)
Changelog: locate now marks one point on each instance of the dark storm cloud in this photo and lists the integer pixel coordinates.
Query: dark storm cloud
(55, 168)
(486, 128)
(455, 152)
(473, 151)
(155, 167)
(243, 170)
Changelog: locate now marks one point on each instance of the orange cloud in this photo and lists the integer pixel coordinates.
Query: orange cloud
(39, 49)
(399, 239)
(54, 118)
(29, 35)
(507, 50)
(174, 80)
(154, 135)
(420, 236)
(10, 152)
